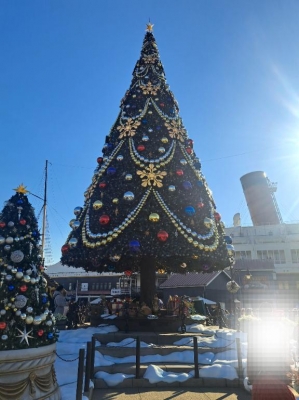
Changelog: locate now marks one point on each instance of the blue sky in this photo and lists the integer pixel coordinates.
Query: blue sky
(65, 65)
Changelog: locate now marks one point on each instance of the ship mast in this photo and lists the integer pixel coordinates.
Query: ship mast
(44, 212)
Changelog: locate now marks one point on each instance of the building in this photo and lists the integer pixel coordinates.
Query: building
(276, 243)
(90, 285)
(269, 239)
(208, 285)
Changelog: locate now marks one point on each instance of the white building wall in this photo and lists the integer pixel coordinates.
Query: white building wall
(277, 240)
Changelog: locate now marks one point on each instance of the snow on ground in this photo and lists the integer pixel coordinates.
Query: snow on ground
(219, 365)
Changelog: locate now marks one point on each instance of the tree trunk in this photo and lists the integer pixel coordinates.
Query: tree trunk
(147, 280)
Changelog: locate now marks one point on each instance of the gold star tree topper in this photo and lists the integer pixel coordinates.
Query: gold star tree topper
(149, 27)
(21, 189)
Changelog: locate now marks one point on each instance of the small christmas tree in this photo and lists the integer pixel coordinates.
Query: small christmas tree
(148, 206)
(25, 320)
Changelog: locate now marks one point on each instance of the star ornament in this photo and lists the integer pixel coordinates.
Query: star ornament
(149, 27)
(24, 335)
(21, 189)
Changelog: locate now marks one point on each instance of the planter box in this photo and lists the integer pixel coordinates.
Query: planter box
(29, 374)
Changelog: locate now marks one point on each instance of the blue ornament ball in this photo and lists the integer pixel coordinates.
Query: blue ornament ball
(144, 121)
(134, 245)
(11, 288)
(187, 185)
(111, 268)
(189, 210)
(44, 299)
(200, 183)
(50, 335)
(20, 201)
(111, 171)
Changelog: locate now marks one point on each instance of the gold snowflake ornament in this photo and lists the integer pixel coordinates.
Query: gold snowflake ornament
(176, 130)
(150, 59)
(128, 129)
(151, 176)
(149, 89)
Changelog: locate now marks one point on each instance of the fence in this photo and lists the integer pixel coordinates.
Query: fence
(88, 371)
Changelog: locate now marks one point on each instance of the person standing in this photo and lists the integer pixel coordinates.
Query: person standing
(72, 314)
(59, 300)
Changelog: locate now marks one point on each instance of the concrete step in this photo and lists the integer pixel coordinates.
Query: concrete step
(100, 384)
(121, 351)
(147, 337)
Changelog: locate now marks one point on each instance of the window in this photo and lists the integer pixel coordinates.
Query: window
(105, 286)
(278, 256)
(93, 286)
(101, 286)
(70, 286)
(97, 286)
(283, 285)
(243, 255)
(295, 256)
(109, 285)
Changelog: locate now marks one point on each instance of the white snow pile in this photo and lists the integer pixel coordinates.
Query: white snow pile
(156, 374)
(198, 317)
(218, 371)
(184, 357)
(112, 379)
(129, 342)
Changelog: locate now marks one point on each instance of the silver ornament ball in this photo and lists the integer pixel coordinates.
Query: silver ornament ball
(17, 256)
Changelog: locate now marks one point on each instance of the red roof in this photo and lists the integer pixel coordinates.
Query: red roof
(190, 280)
(254, 265)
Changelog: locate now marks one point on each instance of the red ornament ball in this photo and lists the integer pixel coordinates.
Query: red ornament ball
(200, 204)
(2, 325)
(65, 248)
(217, 216)
(128, 272)
(141, 147)
(23, 288)
(162, 236)
(23, 221)
(102, 185)
(179, 172)
(99, 160)
(104, 219)
(162, 104)
(2, 224)
(40, 332)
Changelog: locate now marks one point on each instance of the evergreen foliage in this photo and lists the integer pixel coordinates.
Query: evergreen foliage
(25, 320)
(148, 196)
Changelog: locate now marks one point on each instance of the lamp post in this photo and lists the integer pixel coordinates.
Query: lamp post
(233, 288)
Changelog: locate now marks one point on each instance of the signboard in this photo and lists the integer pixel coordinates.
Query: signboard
(115, 292)
(84, 287)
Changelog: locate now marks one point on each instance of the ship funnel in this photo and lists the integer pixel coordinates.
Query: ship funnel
(237, 219)
(261, 202)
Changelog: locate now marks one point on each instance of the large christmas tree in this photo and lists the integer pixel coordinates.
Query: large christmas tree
(25, 320)
(148, 206)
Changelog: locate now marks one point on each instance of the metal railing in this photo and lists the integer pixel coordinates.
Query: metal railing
(86, 374)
